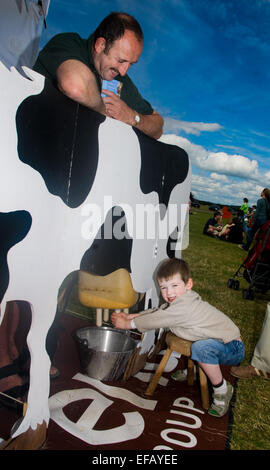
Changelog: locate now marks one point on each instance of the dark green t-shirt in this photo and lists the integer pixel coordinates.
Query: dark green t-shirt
(66, 46)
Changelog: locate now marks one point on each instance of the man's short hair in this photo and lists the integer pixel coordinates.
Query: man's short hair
(217, 214)
(173, 266)
(113, 27)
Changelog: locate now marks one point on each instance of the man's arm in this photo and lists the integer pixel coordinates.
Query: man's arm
(150, 124)
(78, 82)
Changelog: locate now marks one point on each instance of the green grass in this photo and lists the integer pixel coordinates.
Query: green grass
(212, 263)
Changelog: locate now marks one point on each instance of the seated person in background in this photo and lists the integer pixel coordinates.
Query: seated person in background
(233, 232)
(213, 225)
(216, 338)
(77, 67)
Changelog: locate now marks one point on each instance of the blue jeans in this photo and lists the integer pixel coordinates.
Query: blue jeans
(213, 351)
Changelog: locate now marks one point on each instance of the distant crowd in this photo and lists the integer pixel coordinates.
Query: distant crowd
(243, 225)
(232, 232)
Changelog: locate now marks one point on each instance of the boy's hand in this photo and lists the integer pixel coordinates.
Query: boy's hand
(121, 320)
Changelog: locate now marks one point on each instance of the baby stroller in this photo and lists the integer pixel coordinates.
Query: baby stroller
(255, 269)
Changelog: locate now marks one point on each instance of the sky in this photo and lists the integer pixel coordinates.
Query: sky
(205, 68)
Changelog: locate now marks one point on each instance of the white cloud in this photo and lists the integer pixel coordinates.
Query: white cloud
(267, 175)
(205, 185)
(232, 177)
(236, 165)
(219, 162)
(195, 128)
(217, 176)
(230, 193)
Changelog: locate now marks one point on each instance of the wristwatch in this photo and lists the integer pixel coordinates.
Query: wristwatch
(136, 119)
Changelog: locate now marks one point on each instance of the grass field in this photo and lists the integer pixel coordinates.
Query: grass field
(212, 263)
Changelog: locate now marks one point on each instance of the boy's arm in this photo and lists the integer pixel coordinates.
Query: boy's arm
(150, 319)
(122, 320)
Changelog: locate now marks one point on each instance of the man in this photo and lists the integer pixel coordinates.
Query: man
(213, 225)
(78, 66)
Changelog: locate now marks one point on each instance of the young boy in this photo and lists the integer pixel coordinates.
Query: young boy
(216, 338)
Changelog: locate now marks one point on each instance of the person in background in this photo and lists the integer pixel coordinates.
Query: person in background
(213, 225)
(232, 232)
(244, 209)
(260, 363)
(262, 214)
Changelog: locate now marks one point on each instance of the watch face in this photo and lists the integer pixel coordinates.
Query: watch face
(137, 118)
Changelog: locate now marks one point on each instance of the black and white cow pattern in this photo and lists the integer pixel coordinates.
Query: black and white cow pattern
(57, 157)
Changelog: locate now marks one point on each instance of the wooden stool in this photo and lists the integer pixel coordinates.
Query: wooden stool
(183, 347)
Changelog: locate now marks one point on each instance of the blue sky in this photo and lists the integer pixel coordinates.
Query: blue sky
(205, 67)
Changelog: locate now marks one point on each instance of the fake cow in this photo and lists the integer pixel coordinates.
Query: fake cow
(64, 170)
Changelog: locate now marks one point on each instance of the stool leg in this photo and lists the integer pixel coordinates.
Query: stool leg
(152, 386)
(204, 389)
(190, 372)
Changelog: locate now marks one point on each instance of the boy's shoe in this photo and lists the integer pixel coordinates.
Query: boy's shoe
(221, 409)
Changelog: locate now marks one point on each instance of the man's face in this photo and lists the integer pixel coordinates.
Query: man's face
(123, 53)
(173, 287)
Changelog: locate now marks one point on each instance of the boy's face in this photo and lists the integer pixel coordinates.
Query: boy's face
(173, 287)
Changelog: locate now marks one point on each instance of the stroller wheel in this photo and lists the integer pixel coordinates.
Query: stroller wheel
(251, 294)
(231, 283)
(245, 294)
(248, 294)
(236, 285)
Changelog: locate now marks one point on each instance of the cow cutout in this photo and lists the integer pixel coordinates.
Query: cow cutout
(102, 162)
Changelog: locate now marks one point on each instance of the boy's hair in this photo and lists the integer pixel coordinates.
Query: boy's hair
(173, 266)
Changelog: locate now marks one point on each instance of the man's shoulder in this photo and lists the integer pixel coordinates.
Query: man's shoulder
(66, 37)
(66, 34)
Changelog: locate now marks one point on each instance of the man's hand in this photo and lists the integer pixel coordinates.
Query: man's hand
(150, 124)
(117, 108)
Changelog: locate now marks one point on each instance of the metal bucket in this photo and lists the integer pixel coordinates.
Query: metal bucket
(104, 351)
